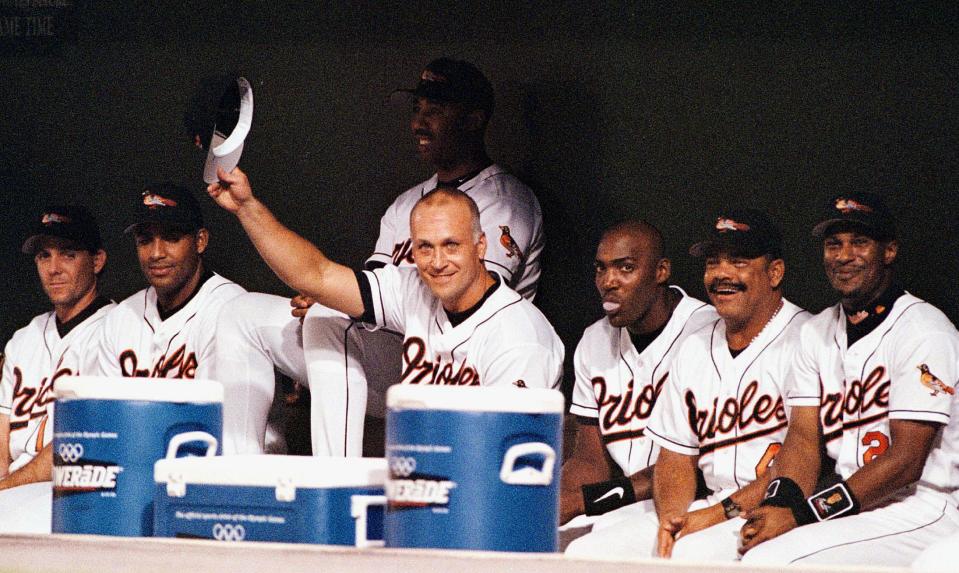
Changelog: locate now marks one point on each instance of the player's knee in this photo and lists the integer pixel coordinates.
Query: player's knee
(772, 552)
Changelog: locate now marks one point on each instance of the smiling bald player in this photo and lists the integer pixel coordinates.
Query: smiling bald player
(462, 325)
(621, 364)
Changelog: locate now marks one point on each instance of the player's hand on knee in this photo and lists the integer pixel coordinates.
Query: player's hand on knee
(301, 305)
(764, 523)
(232, 190)
(669, 528)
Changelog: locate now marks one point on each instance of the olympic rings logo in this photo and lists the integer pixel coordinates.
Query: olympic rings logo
(402, 467)
(229, 532)
(70, 452)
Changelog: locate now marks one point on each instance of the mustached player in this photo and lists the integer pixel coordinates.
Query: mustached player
(721, 410)
(622, 363)
(893, 359)
(167, 330)
(462, 325)
(344, 364)
(66, 246)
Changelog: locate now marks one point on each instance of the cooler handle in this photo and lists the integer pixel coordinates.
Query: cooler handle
(187, 437)
(359, 504)
(528, 476)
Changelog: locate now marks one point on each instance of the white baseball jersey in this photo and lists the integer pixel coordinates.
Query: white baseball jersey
(136, 342)
(618, 386)
(35, 358)
(729, 411)
(506, 340)
(904, 369)
(509, 213)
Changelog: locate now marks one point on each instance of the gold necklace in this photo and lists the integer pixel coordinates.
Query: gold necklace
(782, 303)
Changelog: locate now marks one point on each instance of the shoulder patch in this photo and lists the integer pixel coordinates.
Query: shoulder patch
(931, 381)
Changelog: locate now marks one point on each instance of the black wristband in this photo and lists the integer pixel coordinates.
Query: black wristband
(784, 492)
(602, 497)
(834, 501)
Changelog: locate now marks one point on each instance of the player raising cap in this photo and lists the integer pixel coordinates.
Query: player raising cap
(622, 363)
(721, 411)
(890, 359)
(462, 324)
(66, 247)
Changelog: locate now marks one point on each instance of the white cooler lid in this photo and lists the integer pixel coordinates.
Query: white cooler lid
(148, 389)
(475, 399)
(267, 471)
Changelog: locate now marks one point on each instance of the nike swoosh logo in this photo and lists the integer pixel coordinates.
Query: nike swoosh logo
(617, 491)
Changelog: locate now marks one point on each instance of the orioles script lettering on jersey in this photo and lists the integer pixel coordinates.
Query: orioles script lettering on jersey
(863, 395)
(184, 363)
(616, 410)
(733, 413)
(30, 403)
(403, 252)
(418, 370)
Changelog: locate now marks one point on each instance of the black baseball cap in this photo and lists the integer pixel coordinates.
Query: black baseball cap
(167, 204)
(71, 222)
(746, 232)
(454, 81)
(863, 211)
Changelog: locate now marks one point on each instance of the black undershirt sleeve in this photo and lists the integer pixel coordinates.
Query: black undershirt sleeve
(373, 265)
(366, 293)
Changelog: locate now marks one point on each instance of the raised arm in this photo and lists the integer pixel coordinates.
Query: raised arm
(297, 262)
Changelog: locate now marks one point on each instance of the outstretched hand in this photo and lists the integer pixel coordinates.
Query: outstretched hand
(232, 190)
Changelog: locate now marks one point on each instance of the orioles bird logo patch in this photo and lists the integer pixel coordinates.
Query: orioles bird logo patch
(512, 249)
(724, 224)
(848, 205)
(153, 201)
(929, 380)
(51, 218)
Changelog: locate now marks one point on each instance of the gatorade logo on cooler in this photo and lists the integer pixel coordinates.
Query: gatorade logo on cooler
(408, 489)
(72, 477)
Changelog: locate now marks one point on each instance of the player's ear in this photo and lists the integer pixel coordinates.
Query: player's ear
(776, 270)
(202, 240)
(890, 251)
(99, 261)
(475, 120)
(481, 246)
(664, 269)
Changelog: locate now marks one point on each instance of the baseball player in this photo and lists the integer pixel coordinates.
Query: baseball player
(621, 364)
(462, 325)
(892, 359)
(721, 411)
(67, 249)
(167, 330)
(335, 355)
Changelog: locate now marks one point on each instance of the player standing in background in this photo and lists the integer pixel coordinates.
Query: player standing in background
(721, 411)
(453, 103)
(462, 324)
(68, 252)
(621, 364)
(892, 359)
(167, 330)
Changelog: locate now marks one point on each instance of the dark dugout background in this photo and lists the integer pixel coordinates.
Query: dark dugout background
(653, 111)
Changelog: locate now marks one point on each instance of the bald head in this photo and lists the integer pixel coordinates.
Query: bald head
(450, 197)
(642, 233)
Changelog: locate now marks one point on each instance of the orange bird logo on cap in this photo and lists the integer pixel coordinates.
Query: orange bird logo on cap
(153, 201)
(51, 218)
(849, 205)
(724, 224)
(512, 249)
(931, 381)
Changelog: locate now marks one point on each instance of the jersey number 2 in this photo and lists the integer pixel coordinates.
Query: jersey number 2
(767, 459)
(877, 442)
